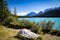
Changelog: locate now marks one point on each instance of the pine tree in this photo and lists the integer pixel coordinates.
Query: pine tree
(15, 13)
(4, 11)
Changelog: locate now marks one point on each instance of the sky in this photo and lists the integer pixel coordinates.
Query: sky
(26, 6)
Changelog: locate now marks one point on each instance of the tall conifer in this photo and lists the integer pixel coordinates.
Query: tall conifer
(15, 13)
(4, 10)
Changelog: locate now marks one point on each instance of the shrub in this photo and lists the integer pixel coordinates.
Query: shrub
(35, 29)
(27, 24)
(47, 26)
(58, 33)
(55, 32)
(39, 38)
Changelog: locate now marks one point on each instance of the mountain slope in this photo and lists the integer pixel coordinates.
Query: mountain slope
(31, 14)
(51, 13)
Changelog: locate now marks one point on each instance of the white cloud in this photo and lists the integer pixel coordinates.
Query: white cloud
(22, 13)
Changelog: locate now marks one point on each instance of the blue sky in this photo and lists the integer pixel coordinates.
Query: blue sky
(26, 6)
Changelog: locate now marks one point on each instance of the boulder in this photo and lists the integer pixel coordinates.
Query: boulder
(27, 33)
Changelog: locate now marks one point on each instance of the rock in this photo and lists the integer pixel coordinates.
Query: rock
(27, 33)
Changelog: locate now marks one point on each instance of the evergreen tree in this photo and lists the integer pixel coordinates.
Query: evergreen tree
(4, 11)
(15, 13)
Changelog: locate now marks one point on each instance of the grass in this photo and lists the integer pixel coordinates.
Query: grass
(9, 34)
(50, 37)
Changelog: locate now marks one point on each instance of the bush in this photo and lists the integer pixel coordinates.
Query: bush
(35, 29)
(58, 33)
(39, 38)
(47, 26)
(55, 32)
(11, 22)
(27, 24)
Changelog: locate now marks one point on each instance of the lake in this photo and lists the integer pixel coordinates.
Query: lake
(56, 20)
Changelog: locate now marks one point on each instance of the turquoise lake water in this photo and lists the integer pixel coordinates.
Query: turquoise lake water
(56, 20)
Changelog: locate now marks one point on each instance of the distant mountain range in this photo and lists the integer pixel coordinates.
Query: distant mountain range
(31, 14)
(52, 12)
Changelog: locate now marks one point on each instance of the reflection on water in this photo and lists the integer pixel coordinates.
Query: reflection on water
(56, 20)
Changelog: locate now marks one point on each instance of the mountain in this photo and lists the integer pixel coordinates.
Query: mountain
(31, 14)
(50, 13)
(41, 12)
(48, 9)
(57, 8)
